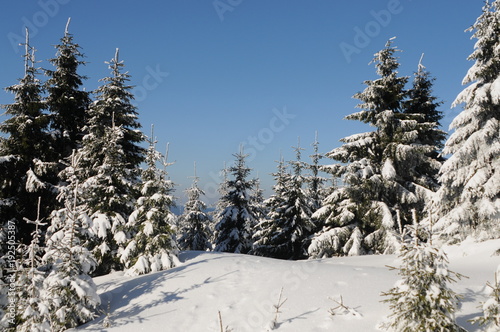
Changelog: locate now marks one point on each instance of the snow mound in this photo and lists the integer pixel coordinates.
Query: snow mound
(245, 290)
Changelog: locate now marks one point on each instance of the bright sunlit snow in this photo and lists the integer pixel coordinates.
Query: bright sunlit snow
(245, 290)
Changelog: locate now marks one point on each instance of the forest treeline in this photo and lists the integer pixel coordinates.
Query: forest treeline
(85, 192)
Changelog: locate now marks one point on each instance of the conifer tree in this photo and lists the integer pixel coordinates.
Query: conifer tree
(109, 166)
(340, 234)
(422, 300)
(268, 228)
(32, 313)
(195, 231)
(285, 231)
(235, 223)
(151, 246)
(113, 105)
(490, 319)
(379, 170)
(70, 293)
(66, 101)
(221, 203)
(108, 194)
(422, 101)
(24, 150)
(468, 201)
(423, 168)
(314, 180)
(223, 190)
(257, 200)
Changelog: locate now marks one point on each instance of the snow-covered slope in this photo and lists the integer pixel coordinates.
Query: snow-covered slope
(245, 289)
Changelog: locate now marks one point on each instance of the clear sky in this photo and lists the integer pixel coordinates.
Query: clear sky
(214, 75)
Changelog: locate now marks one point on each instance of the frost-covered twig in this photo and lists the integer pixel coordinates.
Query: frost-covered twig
(342, 309)
(227, 329)
(491, 308)
(274, 323)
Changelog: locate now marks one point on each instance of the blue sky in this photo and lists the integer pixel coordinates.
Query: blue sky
(214, 75)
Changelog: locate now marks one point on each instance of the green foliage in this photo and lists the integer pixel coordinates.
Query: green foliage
(387, 172)
(195, 231)
(490, 319)
(66, 102)
(151, 246)
(284, 232)
(421, 300)
(236, 222)
(27, 143)
(468, 200)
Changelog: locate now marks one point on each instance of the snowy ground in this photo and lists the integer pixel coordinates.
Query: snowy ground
(245, 289)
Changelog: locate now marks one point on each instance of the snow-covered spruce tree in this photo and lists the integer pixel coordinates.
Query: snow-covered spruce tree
(424, 169)
(70, 293)
(66, 101)
(283, 234)
(421, 300)
(221, 204)
(110, 157)
(268, 228)
(236, 222)
(468, 202)
(32, 313)
(109, 196)
(257, 200)
(24, 150)
(422, 101)
(341, 234)
(195, 221)
(490, 320)
(315, 182)
(298, 223)
(223, 190)
(152, 246)
(380, 170)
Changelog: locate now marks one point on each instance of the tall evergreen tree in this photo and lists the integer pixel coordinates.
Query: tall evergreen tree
(24, 150)
(113, 106)
(66, 101)
(195, 221)
(422, 101)
(109, 196)
(379, 170)
(235, 223)
(222, 190)
(314, 181)
(424, 169)
(109, 165)
(257, 200)
(469, 199)
(221, 203)
(283, 234)
(268, 229)
(151, 246)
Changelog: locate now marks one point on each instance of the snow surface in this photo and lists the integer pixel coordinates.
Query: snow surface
(245, 289)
